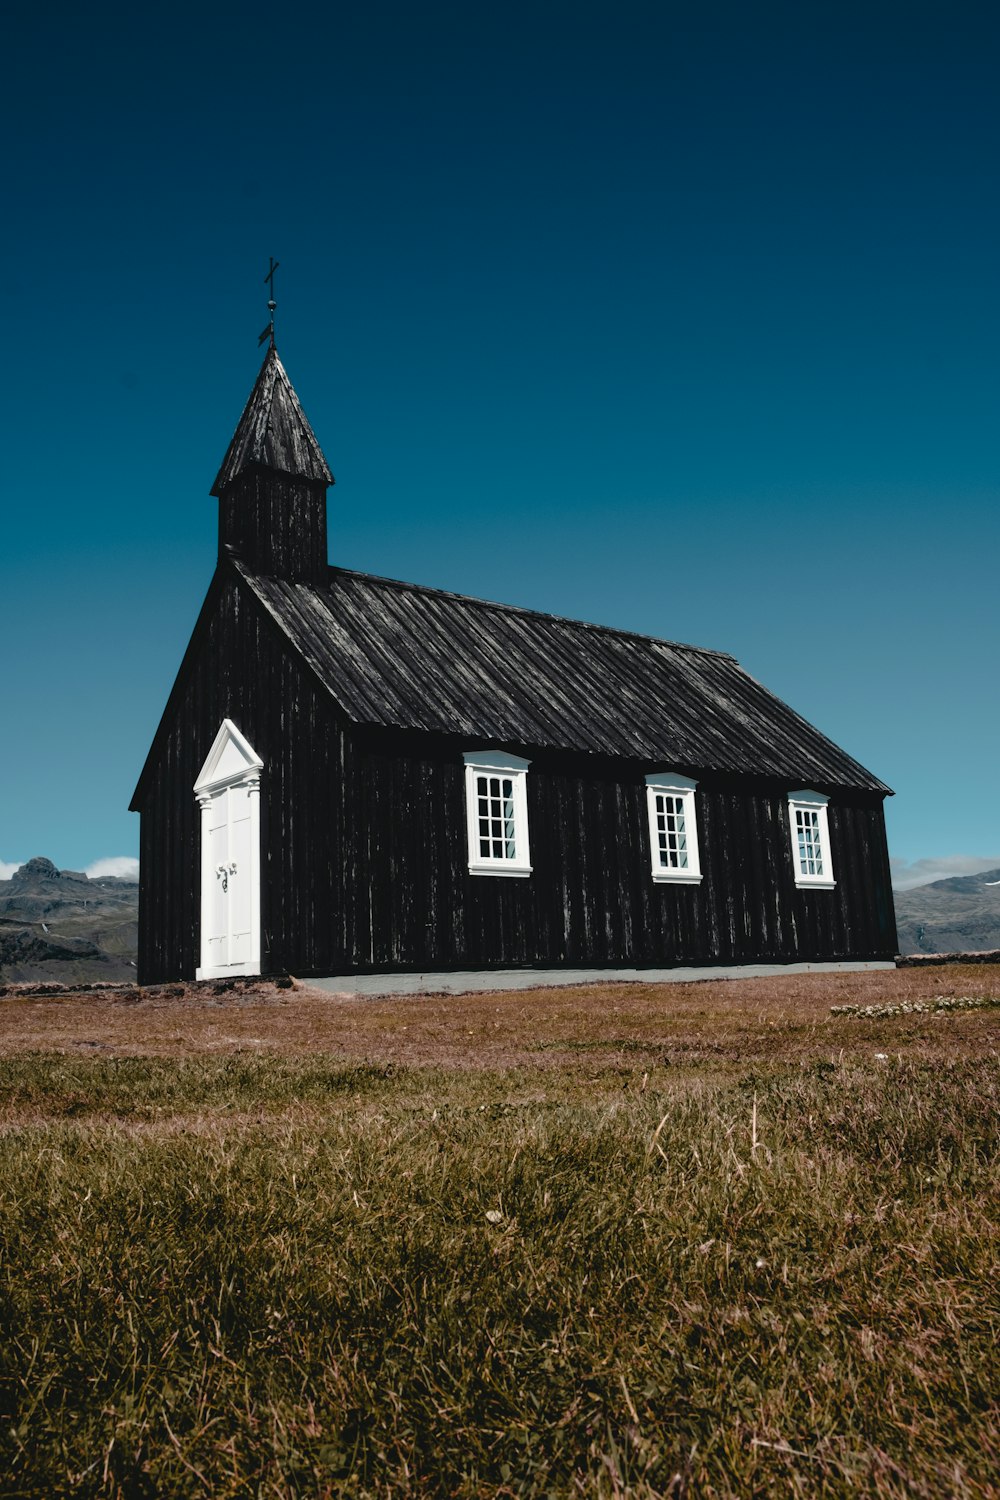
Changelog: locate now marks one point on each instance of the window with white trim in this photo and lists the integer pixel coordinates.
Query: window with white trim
(809, 826)
(673, 828)
(496, 802)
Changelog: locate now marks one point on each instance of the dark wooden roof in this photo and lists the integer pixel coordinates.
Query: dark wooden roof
(273, 432)
(399, 655)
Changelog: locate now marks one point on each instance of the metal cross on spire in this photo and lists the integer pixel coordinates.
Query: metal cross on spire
(268, 332)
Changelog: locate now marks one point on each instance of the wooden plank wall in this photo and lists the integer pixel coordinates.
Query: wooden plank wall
(365, 858)
(240, 671)
(411, 901)
(277, 524)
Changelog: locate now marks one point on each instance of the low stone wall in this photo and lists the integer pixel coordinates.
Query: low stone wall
(921, 960)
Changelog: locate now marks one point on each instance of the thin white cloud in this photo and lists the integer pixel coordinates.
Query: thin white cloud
(7, 870)
(118, 864)
(906, 875)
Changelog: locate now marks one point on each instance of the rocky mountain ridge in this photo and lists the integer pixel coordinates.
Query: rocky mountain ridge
(61, 925)
(958, 915)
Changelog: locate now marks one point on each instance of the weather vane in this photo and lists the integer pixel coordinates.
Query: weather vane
(271, 304)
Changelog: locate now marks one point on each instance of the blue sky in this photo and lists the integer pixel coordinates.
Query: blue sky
(680, 318)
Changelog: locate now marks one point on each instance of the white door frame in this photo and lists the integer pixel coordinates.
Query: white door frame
(232, 763)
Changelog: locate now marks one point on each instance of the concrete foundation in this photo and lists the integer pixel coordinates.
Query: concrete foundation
(533, 979)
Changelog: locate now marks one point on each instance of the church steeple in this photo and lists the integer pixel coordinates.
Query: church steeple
(272, 483)
(273, 432)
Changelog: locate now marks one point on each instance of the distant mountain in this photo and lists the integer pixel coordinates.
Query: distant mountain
(59, 925)
(958, 915)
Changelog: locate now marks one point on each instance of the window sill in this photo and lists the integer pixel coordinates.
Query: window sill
(660, 877)
(816, 885)
(518, 872)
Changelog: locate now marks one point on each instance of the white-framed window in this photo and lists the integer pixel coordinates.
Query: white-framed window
(496, 803)
(673, 828)
(810, 833)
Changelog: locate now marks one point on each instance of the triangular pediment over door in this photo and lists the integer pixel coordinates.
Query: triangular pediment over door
(228, 795)
(230, 757)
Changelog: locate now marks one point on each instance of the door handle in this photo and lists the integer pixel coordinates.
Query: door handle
(225, 871)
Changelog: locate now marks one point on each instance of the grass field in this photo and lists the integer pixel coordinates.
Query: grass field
(689, 1240)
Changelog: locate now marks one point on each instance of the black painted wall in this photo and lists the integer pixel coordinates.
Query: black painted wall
(276, 523)
(364, 858)
(409, 901)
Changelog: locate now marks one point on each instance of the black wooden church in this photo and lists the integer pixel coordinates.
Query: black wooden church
(356, 775)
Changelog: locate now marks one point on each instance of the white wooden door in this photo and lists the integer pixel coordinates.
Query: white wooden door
(228, 794)
(227, 874)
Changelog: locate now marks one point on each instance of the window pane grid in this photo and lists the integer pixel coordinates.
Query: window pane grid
(495, 812)
(809, 842)
(671, 832)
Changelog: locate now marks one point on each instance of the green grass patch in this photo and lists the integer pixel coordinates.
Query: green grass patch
(277, 1276)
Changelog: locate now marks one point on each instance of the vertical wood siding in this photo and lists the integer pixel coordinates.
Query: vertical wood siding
(364, 858)
(591, 899)
(276, 524)
(241, 672)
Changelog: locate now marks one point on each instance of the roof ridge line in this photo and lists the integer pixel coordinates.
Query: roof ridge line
(523, 609)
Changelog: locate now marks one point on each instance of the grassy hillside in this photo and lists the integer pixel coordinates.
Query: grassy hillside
(959, 915)
(680, 1240)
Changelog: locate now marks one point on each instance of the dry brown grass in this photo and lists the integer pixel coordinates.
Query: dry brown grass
(678, 1240)
(642, 1025)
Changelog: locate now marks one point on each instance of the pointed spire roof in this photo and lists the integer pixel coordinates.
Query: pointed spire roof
(273, 432)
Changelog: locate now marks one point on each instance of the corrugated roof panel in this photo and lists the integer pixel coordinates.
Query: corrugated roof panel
(403, 656)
